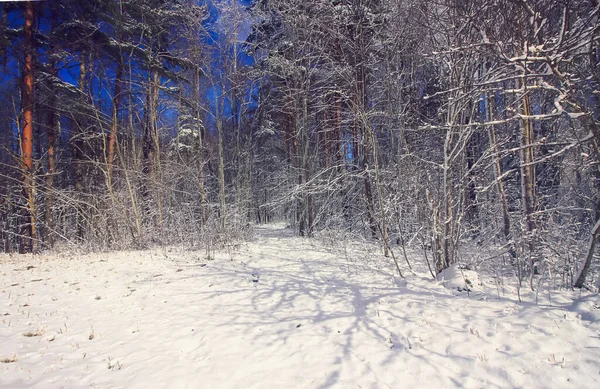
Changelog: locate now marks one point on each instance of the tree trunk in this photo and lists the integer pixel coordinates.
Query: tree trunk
(589, 257)
(151, 151)
(53, 133)
(112, 136)
(29, 240)
(471, 200)
(200, 147)
(79, 155)
(155, 159)
(337, 138)
(527, 178)
(3, 40)
(308, 228)
(221, 156)
(382, 214)
(500, 182)
(446, 257)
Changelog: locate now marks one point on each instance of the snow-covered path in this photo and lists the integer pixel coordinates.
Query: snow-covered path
(276, 313)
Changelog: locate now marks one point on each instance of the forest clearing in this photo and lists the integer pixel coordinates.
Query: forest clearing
(281, 312)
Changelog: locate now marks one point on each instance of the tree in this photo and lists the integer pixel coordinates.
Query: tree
(459, 125)
(30, 239)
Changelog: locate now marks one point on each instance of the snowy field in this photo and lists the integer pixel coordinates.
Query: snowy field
(280, 312)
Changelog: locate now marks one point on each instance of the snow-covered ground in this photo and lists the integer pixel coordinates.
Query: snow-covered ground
(280, 312)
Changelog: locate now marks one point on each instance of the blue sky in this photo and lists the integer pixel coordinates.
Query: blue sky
(102, 82)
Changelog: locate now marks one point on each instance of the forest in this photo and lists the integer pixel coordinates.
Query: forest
(447, 127)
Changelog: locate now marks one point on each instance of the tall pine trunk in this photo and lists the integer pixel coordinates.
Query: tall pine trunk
(203, 202)
(112, 137)
(221, 157)
(53, 131)
(29, 239)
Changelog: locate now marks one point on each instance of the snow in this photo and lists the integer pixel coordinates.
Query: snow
(588, 308)
(279, 312)
(460, 279)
